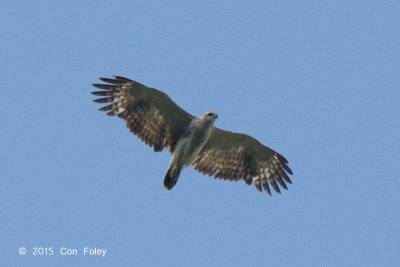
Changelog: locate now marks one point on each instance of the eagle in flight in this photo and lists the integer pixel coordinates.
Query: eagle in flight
(159, 122)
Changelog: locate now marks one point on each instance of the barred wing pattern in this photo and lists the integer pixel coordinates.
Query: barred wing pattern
(149, 113)
(234, 156)
(159, 122)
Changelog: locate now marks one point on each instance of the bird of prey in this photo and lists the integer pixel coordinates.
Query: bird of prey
(159, 122)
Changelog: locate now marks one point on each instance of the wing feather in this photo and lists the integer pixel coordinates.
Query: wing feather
(149, 113)
(234, 156)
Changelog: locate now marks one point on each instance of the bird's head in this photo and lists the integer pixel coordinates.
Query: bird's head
(210, 116)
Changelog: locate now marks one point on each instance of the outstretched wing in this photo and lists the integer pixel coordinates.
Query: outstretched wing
(234, 156)
(149, 113)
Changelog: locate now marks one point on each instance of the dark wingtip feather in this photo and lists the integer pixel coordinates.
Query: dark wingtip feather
(285, 176)
(122, 79)
(112, 81)
(103, 100)
(266, 187)
(111, 87)
(257, 183)
(280, 157)
(102, 93)
(286, 168)
(106, 108)
(282, 183)
(275, 186)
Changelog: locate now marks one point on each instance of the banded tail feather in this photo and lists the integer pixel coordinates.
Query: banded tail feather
(171, 178)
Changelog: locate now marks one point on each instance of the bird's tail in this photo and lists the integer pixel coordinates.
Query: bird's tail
(171, 177)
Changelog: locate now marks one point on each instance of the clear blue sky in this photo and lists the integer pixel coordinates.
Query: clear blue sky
(318, 81)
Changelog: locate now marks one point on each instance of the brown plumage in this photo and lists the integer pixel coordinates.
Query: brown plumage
(144, 116)
(159, 122)
(248, 160)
